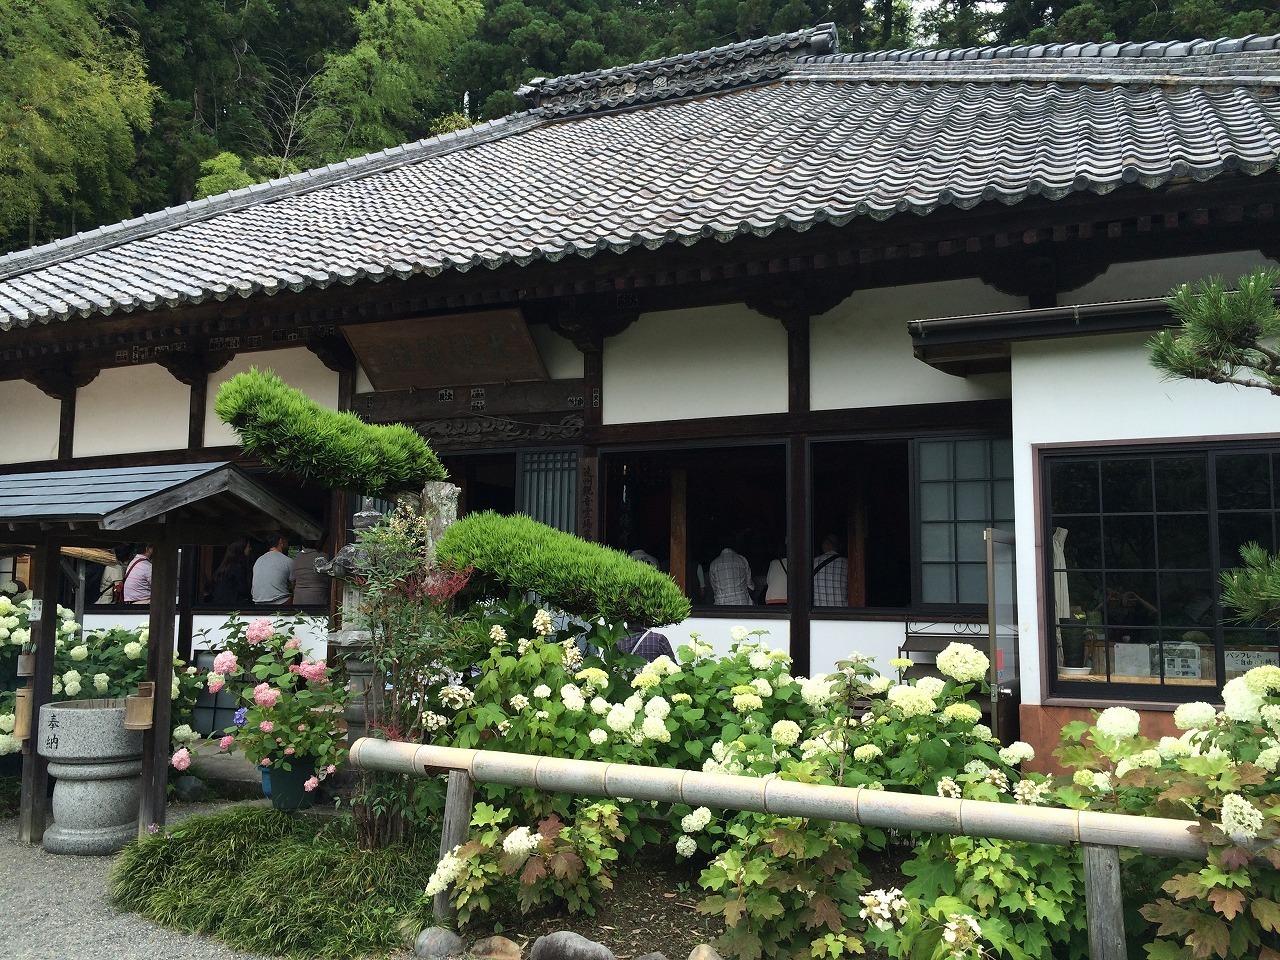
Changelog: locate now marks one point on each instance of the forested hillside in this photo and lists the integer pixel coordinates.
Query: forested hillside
(109, 108)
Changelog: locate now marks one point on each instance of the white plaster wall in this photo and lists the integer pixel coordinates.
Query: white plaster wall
(860, 352)
(30, 423)
(1095, 389)
(314, 631)
(687, 364)
(832, 640)
(363, 383)
(296, 366)
(132, 409)
(1155, 278)
(715, 631)
(562, 359)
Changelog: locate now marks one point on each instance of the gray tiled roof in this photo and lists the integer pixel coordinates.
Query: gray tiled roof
(746, 139)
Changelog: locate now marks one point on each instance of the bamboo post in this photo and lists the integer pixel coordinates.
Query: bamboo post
(453, 832)
(1104, 905)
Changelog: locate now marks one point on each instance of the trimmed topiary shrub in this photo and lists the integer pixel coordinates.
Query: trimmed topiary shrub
(584, 579)
(292, 433)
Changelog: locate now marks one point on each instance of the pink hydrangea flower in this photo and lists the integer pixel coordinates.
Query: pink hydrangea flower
(266, 761)
(181, 760)
(225, 663)
(331, 768)
(261, 629)
(226, 743)
(311, 784)
(216, 682)
(294, 644)
(266, 726)
(289, 751)
(302, 728)
(264, 695)
(312, 670)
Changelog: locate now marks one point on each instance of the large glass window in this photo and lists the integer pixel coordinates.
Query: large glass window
(1138, 544)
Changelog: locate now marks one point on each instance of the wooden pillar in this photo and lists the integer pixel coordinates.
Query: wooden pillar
(67, 426)
(590, 485)
(453, 832)
(1104, 902)
(679, 547)
(188, 590)
(195, 413)
(799, 482)
(160, 648)
(44, 630)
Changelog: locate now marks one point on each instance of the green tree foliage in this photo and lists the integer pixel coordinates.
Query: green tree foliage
(386, 88)
(585, 579)
(1047, 21)
(291, 433)
(73, 93)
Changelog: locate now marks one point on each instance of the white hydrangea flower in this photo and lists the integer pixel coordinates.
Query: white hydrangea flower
(883, 908)
(686, 846)
(746, 702)
(867, 752)
(962, 932)
(1241, 820)
(520, 842)
(434, 721)
(763, 687)
(598, 736)
(759, 660)
(965, 713)
(816, 691)
(497, 634)
(1102, 781)
(785, 733)
(1268, 759)
(71, 689)
(1241, 703)
(79, 652)
(879, 683)
(100, 682)
(7, 722)
(71, 676)
(1017, 752)
(599, 706)
(184, 734)
(620, 718)
(1119, 723)
(446, 871)
(947, 787)
(542, 691)
(695, 821)
(654, 729)
(977, 767)
(593, 678)
(519, 702)
(998, 780)
(1170, 748)
(1263, 680)
(456, 696)
(663, 666)
(573, 701)
(1194, 716)
(8, 744)
(981, 732)
(912, 701)
(1028, 793)
(645, 680)
(504, 727)
(57, 683)
(543, 624)
(1270, 715)
(522, 646)
(963, 662)
(738, 634)
(657, 707)
(133, 650)
(931, 685)
(571, 658)
(681, 698)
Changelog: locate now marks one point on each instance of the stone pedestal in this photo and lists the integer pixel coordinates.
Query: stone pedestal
(96, 764)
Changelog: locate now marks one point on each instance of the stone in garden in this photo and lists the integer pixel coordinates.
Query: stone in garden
(564, 945)
(437, 943)
(190, 789)
(652, 956)
(704, 951)
(495, 948)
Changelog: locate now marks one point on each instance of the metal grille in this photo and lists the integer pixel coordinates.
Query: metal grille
(549, 488)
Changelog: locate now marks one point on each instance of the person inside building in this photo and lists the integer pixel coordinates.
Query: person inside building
(137, 576)
(830, 575)
(644, 556)
(730, 577)
(112, 575)
(649, 644)
(273, 574)
(309, 587)
(230, 585)
(775, 590)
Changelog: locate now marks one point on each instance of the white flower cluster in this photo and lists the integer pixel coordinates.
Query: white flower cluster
(100, 682)
(572, 698)
(1143, 758)
(1240, 702)
(522, 646)
(598, 736)
(1170, 748)
(1017, 752)
(867, 752)
(695, 821)
(879, 684)
(497, 634)
(738, 634)
(663, 666)
(1119, 723)
(543, 624)
(600, 706)
(1269, 759)
(947, 787)
(7, 722)
(133, 650)
(1264, 680)
(653, 728)
(645, 680)
(785, 733)
(759, 660)
(542, 691)
(963, 662)
(456, 697)
(962, 933)
(9, 743)
(71, 683)
(572, 656)
(519, 703)
(434, 721)
(1029, 793)
(884, 909)
(911, 701)
(184, 734)
(79, 652)
(1241, 820)
(746, 699)
(816, 691)
(520, 842)
(446, 871)
(620, 718)
(965, 713)
(686, 846)
(931, 685)
(657, 707)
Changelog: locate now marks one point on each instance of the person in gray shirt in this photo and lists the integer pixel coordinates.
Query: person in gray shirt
(309, 587)
(273, 574)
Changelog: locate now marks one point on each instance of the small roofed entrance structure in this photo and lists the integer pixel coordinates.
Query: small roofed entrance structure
(166, 506)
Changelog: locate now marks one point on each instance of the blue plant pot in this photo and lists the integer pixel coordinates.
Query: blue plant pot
(266, 781)
(288, 787)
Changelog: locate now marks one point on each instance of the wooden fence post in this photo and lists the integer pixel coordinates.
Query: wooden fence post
(1104, 905)
(453, 832)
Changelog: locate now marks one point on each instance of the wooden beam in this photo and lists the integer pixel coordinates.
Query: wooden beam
(67, 427)
(160, 650)
(679, 546)
(490, 399)
(35, 768)
(799, 553)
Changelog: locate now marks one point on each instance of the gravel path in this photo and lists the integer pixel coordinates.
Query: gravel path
(58, 909)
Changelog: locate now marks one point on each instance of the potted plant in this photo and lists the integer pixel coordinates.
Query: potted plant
(291, 720)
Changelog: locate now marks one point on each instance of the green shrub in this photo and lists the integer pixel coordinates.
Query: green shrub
(292, 433)
(268, 882)
(584, 579)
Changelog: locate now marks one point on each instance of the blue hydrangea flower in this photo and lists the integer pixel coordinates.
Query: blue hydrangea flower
(241, 717)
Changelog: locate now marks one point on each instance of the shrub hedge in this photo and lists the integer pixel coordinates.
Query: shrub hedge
(585, 579)
(292, 433)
